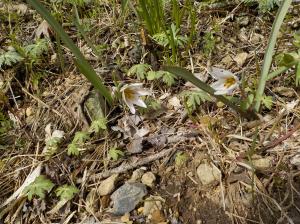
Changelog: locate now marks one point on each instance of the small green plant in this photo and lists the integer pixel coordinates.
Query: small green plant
(81, 137)
(264, 5)
(78, 141)
(164, 39)
(39, 187)
(193, 99)
(209, 43)
(140, 70)
(144, 71)
(98, 125)
(115, 154)
(9, 58)
(66, 192)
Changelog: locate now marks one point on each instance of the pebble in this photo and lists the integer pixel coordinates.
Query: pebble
(136, 175)
(262, 163)
(108, 185)
(148, 179)
(241, 58)
(208, 174)
(127, 197)
(151, 204)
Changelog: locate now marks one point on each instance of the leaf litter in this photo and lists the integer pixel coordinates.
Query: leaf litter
(174, 150)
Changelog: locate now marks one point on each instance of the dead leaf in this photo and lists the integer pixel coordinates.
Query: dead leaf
(43, 29)
(284, 91)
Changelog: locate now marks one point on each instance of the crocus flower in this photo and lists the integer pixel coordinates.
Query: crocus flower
(226, 81)
(131, 95)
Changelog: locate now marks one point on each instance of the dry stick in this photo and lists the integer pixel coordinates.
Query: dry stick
(40, 101)
(124, 167)
(282, 138)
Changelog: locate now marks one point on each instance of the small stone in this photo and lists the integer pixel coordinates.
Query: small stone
(151, 204)
(148, 179)
(108, 185)
(262, 163)
(241, 58)
(29, 111)
(127, 197)
(227, 61)
(136, 175)
(208, 174)
(125, 218)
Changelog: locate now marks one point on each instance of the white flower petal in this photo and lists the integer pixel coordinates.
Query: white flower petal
(219, 73)
(218, 84)
(131, 108)
(140, 103)
(143, 92)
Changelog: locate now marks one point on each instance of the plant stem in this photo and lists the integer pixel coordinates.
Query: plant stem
(269, 52)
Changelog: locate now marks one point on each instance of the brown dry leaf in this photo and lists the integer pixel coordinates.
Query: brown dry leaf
(157, 217)
(43, 29)
(284, 91)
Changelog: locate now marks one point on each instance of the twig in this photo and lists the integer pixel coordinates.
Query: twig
(282, 138)
(124, 167)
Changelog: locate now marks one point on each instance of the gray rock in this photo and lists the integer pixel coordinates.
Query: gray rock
(127, 197)
(208, 174)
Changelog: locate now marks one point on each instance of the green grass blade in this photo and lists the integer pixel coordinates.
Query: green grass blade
(84, 67)
(269, 52)
(185, 74)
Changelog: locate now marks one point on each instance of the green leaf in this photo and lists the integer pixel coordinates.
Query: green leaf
(97, 125)
(168, 78)
(9, 58)
(39, 187)
(246, 104)
(66, 192)
(195, 98)
(289, 59)
(152, 75)
(83, 65)
(115, 154)
(140, 70)
(81, 137)
(37, 49)
(298, 74)
(73, 149)
(267, 101)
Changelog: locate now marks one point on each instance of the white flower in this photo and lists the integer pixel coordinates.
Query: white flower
(226, 81)
(131, 95)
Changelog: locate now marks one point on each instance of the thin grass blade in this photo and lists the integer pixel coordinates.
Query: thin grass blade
(85, 68)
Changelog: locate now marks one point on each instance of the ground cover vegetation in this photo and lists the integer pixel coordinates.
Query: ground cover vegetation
(149, 111)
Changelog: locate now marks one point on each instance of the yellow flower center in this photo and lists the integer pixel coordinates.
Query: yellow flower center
(229, 82)
(129, 93)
